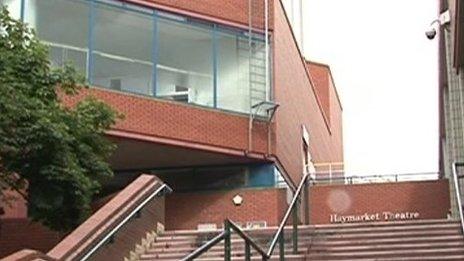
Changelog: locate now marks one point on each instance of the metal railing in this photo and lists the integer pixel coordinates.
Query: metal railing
(456, 178)
(225, 235)
(162, 190)
(341, 178)
(278, 237)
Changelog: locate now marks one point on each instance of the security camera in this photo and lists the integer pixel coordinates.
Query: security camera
(443, 20)
(431, 33)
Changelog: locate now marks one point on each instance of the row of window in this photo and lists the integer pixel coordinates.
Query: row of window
(221, 178)
(205, 178)
(144, 51)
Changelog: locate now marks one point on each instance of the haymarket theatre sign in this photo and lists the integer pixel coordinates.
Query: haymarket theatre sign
(378, 216)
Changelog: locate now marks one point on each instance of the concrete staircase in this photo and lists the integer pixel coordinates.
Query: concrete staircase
(174, 245)
(402, 240)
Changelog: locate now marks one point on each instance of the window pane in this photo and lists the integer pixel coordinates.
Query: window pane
(241, 77)
(14, 7)
(123, 43)
(205, 178)
(64, 25)
(221, 177)
(233, 73)
(185, 66)
(258, 72)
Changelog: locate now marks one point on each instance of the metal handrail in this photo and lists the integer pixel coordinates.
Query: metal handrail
(162, 188)
(458, 192)
(247, 238)
(287, 215)
(225, 235)
(205, 247)
(377, 178)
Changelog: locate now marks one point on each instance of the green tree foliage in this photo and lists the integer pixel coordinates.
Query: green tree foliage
(55, 157)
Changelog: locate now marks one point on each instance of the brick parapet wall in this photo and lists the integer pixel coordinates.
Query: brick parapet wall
(133, 232)
(187, 210)
(13, 206)
(28, 255)
(428, 198)
(95, 228)
(177, 121)
(21, 233)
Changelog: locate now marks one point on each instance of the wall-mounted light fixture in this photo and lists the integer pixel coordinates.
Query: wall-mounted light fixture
(238, 200)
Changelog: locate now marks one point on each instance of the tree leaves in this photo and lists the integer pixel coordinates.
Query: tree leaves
(57, 155)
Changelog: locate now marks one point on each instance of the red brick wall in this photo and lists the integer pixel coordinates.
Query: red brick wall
(178, 121)
(20, 233)
(299, 105)
(235, 11)
(14, 207)
(28, 255)
(429, 198)
(319, 75)
(187, 210)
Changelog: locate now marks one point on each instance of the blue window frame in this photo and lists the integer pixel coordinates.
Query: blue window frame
(136, 49)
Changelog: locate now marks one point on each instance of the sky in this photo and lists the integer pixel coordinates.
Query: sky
(386, 72)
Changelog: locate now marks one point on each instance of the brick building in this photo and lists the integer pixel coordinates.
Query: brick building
(451, 87)
(218, 100)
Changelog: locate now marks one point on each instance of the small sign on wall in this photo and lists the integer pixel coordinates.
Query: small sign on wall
(370, 217)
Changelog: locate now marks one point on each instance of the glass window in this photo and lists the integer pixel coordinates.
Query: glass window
(122, 52)
(63, 24)
(259, 91)
(233, 72)
(241, 73)
(123, 57)
(14, 7)
(221, 177)
(208, 178)
(178, 179)
(185, 63)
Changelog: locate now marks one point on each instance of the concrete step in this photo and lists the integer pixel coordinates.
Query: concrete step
(395, 246)
(410, 258)
(387, 253)
(209, 254)
(287, 257)
(405, 240)
(384, 223)
(402, 228)
(273, 258)
(401, 240)
(321, 227)
(220, 247)
(165, 242)
(334, 235)
(396, 234)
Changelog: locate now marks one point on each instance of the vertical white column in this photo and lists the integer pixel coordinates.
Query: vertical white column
(302, 29)
(266, 46)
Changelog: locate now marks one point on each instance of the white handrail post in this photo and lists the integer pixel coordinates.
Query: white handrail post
(458, 196)
(266, 46)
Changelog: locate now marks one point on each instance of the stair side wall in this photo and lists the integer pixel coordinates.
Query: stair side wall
(428, 198)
